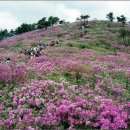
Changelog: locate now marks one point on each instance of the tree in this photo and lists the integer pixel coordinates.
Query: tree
(85, 19)
(3, 34)
(11, 33)
(124, 34)
(34, 26)
(53, 20)
(122, 19)
(41, 23)
(46, 24)
(24, 28)
(110, 17)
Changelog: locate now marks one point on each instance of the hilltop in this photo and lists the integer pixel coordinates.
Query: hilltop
(82, 83)
(69, 31)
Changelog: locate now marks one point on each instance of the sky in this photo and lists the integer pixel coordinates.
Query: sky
(14, 13)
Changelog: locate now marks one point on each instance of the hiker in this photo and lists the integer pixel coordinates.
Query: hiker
(85, 31)
(8, 60)
(35, 49)
(81, 34)
(25, 51)
(39, 52)
(39, 47)
(32, 55)
(21, 52)
(36, 55)
(82, 27)
(44, 46)
(58, 41)
(52, 44)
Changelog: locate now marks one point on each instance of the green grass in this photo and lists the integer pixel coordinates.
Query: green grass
(119, 77)
(97, 47)
(16, 47)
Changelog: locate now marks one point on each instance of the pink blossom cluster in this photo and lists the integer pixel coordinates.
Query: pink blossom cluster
(65, 59)
(46, 103)
(111, 116)
(46, 65)
(12, 72)
(13, 56)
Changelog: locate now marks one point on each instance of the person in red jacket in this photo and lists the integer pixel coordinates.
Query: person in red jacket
(52, 44)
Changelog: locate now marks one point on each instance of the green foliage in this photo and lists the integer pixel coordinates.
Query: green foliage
(84, 18)
(3, 34)
(25, 28)
(32, 75)
(124, 34)
(110, 16)
(41, 23)
(82, 46)
(70, 45)
(53, 20)
(122, 19)
(11, 33)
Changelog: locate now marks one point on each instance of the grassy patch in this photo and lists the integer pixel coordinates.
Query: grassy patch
(119, 77)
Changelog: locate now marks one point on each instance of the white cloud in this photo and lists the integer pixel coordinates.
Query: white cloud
(119, 8)
(8, 20)
(32, 11)
(66, 13)
(12, 13)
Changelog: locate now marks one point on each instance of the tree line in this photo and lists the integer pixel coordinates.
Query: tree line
(51, 21)
(124, 34)
(42, 23)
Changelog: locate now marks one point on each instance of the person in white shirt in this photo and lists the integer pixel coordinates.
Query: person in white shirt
(8, 60)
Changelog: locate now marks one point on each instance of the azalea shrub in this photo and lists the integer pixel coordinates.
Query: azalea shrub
(46, 104)
(11, 72)
(82, 83)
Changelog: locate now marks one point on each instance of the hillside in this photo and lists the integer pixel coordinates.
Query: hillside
(82, 83)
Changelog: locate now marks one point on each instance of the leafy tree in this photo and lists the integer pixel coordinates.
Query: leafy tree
(85, 19)
(34, 26)
(53, 20)
(11, 33)
(124, 34)
(3, 34)
(41, 23)
(50, 19)
(24, 28)
(46, 24)
(110, 17)
(122, 19)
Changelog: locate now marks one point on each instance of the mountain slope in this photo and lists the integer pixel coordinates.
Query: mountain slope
(82, 83)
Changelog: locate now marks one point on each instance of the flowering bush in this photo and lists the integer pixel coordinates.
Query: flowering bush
(90, 88)
(111, 115)
(50, 104)
(12, 72)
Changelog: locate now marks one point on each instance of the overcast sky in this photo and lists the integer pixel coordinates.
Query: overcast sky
(14, 13)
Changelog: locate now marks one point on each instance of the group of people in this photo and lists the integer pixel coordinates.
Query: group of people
(36, 51)
(53, 43)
